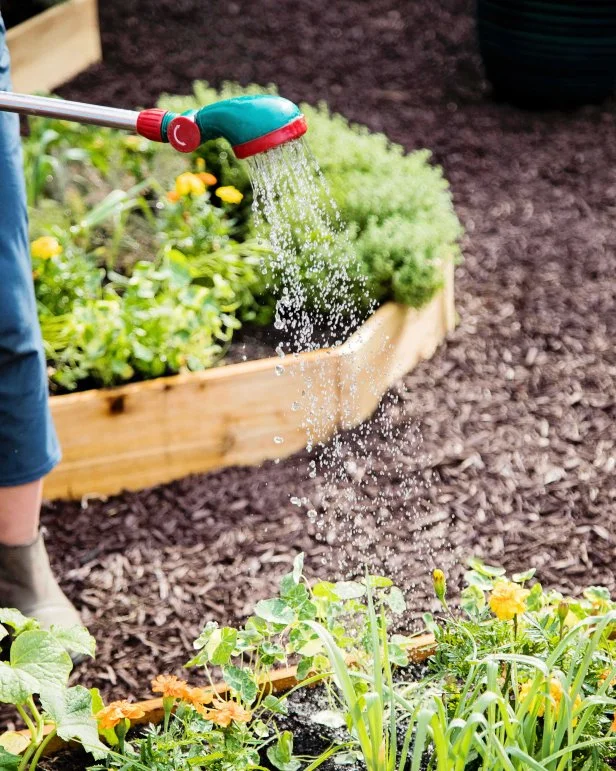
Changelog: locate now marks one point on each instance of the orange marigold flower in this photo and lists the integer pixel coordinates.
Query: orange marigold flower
(170, 686)
(556, 692)
(173, 196)
(198, 696)
(207, 178)
(226, 712)
(603, 676)
(613, 726)
(113, 713)
(507, 600)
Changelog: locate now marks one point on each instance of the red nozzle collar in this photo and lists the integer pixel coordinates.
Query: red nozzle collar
(293, 130)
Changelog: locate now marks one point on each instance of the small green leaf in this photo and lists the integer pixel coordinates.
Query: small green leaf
(242, 682)
(108, 734)
(395, 600)
(298, 567)
(397, 655)
(598, 594)
(221, 645)
(325, 590)
(473, 578)
(379, 582)
(260, 729)
(305, 667)
(311, 648)
(430, 623)
(472, 600)
(275, 611)
(520, 578)
(349, 590)
(534, 601)
(16, 686)
(275, 705)
(71, 711)
(280, 754)
(485, 570)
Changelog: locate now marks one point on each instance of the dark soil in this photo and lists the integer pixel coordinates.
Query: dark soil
(516, 410)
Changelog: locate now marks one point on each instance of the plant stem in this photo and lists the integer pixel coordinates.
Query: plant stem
(41, 749)
(40, 725)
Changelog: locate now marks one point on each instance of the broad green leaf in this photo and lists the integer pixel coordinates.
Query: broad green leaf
(311, 648)
(260, 729)
(271, 652)
(395, 600)
(325, 590)
(349, 590)
(13, 742)
(329, 717)
(274, 704)
(534, 601)
(597, 594)
(42, 657)
(205, 635)
(108, 734)
(397, 655)
(520, 578)
(305, 667)
(75, 639)
(242, 682)
(280, 754)
(298, 598)
(16, 620)
(8, 761)
(379, 582)
(16, 686)
(221, 645)
(472, 600)
(473, 578)
(71, 711)
(275, 611)
(486, 570)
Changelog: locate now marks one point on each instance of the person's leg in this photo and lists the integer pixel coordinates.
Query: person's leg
(28, 446)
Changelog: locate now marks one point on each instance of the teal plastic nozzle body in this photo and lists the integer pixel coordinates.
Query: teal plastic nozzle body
(252, 124)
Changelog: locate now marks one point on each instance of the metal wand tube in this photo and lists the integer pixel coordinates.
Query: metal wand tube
(80, 112)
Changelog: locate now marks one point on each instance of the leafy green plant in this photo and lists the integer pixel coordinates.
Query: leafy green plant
(35, 680)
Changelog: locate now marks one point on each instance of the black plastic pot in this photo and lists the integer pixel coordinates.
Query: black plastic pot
(549, 53)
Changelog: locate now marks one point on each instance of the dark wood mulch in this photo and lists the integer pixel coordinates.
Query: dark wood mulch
(516, 410)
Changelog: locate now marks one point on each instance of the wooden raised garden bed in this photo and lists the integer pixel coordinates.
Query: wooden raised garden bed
(282, 680)
(149, 433)
(54, 46)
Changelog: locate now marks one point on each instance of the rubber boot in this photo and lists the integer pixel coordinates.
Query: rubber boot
(27, 583)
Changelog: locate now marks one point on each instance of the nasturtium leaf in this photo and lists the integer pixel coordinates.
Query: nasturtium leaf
(247, 640)
(8, 761)
(347, 758)
(259, 625)
(260, 729)
(486, 570)
(325, 590)
(40, 655)
(71, 711)
(397, 655)
(379, 582)
(311, 648)
(287, 584)
(16, 620)
(329, 717)
(473, 578)
(395, 600)
(205, 635)
(305, 667)
(271, 652)
(241, 681)
(75, 639)
(349, 590)
(275, 611)
(274, 704)
(298, 598)
(13, 742)
(221, 645)
(280, 755)
(520, 578)
(16, 686)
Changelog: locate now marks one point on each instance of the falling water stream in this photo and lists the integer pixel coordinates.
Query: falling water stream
(367, 475)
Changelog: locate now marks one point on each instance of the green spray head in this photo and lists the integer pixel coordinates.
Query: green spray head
(252, 124)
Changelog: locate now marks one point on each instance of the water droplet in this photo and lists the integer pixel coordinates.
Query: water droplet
(312, 515)
(279, 369)
(296, 501)
(295, 406)
(278, 440)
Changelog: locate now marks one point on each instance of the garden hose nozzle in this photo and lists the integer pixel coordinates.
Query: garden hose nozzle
(252, 124)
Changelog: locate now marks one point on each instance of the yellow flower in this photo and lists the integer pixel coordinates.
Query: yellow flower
(507, 600)
(226, 712)
(229, 194)
(45, 247)
(613, 726)
(200, 164)
(189, 184)
(113, 713)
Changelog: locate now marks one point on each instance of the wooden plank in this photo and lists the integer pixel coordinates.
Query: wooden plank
(149, 433)
(279, 681)
(54, 46)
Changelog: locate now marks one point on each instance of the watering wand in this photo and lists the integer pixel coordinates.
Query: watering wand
(252, 124)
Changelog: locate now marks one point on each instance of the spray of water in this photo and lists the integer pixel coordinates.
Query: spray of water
(369, 477)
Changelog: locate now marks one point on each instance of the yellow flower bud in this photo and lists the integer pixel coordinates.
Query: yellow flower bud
(440, 584)
(45, 247)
